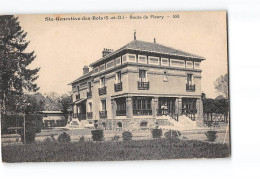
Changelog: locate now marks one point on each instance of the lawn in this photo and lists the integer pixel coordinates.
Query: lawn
(113, 150)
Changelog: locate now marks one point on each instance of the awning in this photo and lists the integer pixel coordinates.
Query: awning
(80, 101)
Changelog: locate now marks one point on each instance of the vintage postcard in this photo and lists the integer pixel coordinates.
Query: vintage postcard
(113, 87)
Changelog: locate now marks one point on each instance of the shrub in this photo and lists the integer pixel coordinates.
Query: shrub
(97, 135)
(127, 135)
(172, 134)
(116, 137)
(211, 135)
(52, 137)
(82, 139)
(47, 139)
(157, 133)
(64, 137)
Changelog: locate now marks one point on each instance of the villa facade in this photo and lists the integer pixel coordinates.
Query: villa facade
(140, 85)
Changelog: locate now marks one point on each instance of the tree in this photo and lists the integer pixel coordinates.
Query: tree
(53, 96)
(15, 76)
(221, 85)
(65, 101)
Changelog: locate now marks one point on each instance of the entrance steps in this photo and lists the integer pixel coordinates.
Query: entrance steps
(183, 123)
(75, 123)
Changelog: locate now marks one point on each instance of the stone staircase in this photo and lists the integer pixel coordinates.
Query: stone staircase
(183, 123)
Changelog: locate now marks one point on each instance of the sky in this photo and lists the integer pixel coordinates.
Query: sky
(64, 47)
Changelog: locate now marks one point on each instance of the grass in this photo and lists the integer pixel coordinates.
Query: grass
(113, 151)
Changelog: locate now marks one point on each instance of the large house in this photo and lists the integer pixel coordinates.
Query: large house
(140, 85)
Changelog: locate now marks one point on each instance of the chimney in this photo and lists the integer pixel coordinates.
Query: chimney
(106, 51)
(154, 40)
(85, 70)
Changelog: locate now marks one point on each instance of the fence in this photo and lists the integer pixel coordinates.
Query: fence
(14, 123)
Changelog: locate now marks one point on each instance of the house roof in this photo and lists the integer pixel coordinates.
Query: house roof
(142, 46)
(82, 77)
(150, 47)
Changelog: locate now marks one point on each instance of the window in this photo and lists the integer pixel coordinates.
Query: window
(102, 82)
(103, 105)
(96, 70)
(142, 59)
(77, 89)
(154, 60)
(177, 63)
(90, 107)
(102, 68)
(124, 59)
(165, 62)
(118, 77)
(196, 65)
(120, 104)
(118, 61)
(165, 77)
(189, 64)
(89, 86)
(119, 125)
(142, 105)
(132, 58)
(143, 124)
(110, 64)
(189, 79)
(142, 76)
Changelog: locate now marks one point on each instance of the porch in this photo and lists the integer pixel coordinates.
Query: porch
(152, 107)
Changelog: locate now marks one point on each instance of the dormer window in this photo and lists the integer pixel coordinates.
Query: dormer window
(102, 68)
(189, 64)
(142, 59)
(154, 60)
(118, 61)
(132, 58)
(196, 65)
(165, 62)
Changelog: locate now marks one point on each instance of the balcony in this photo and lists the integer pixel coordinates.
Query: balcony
(118, 87)
(142, 112)
(89, 115)
(102, 90)
(103, 114)
(120, 112)
(77, 97)
(143, 85)
(89, 94)
(190, 87)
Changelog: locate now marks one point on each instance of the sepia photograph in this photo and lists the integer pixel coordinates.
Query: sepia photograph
(114, 86)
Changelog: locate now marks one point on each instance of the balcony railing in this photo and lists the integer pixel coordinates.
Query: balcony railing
(89, 115)
(89, 94)
(78, 97)
(120, 112)
(118, 86)
(190, 87)
(161, 112)
(103, 114)
(143, 85)
(142, 112)
(102, 91)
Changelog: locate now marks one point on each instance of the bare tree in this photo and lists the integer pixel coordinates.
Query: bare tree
(53, 96)
(221, 85)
